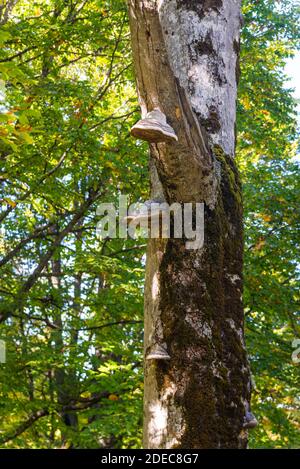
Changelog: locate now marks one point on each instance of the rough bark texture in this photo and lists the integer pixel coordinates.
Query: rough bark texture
(186, 60)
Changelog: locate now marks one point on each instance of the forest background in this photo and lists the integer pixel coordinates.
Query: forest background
(71, 308)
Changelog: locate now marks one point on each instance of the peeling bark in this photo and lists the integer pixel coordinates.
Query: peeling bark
(186, 61)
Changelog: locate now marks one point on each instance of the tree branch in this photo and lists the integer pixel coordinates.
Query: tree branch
(25, 425)
(94, 195)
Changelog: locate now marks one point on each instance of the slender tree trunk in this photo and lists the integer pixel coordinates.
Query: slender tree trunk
(65, 388)
(186, 62)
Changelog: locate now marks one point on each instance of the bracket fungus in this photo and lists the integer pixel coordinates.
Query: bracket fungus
(158, 352)
(250, 421)
(148, 210)
(154, 128)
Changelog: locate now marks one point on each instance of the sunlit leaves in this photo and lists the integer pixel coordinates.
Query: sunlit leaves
(68, 102)
(267, 148)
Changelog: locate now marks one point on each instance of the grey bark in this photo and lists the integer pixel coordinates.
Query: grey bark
(186, 62)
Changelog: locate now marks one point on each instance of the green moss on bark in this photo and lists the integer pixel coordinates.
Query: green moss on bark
(208, 360)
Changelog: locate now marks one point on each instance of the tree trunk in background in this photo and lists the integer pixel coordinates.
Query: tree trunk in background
(186, 62)
(65, 389)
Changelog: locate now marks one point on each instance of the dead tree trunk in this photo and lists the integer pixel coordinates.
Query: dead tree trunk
(186, 62)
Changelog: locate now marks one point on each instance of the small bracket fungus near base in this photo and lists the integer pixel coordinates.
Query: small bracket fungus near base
(158, 352)
(249, 421)
(154, 128)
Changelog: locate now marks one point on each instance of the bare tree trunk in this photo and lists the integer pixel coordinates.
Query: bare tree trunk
(186, 61)
(64, 387)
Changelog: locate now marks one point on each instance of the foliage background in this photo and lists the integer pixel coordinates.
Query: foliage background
(71, 303)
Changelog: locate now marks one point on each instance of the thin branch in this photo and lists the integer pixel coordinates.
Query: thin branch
(18, 54)
(25, 425)
(122, 251)
(37, 234)
(108, 324)
(112, 117)
(77, 406)
(40, 181)
(94, 195)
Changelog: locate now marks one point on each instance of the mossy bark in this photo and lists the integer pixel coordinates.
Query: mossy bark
(202, 317)
(193, 298)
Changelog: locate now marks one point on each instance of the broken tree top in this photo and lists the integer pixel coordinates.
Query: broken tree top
(154, 128)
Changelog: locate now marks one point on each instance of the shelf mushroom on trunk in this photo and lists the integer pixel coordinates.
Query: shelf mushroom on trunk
(154, 128)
